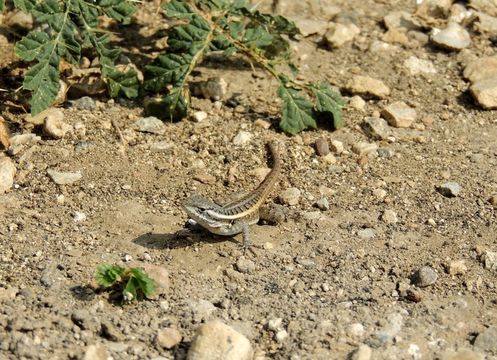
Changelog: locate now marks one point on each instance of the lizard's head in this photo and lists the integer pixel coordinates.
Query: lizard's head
(198, 204)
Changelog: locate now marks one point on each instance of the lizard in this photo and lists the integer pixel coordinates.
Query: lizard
(234, 217)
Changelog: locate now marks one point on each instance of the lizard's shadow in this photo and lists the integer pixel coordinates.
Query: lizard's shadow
(180, 239)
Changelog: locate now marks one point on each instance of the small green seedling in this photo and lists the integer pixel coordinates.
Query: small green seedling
(126, 284)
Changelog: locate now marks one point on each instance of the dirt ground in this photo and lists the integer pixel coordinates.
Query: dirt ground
(340, 279)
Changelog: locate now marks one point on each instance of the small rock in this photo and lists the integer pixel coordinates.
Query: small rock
(311, 215)
(339, 34)
(486, 23)
(385, 153)
(449, 189)
(357, 103)
(389, 217)
(168, 338)
(400, 19)
(395, 36)
(274, 214)
(414, 295)
(84, 103)
(391, 328)
(376, 128)
(79, 216)
(488, 6)
(485, 93)
(8, 293)
(379, 193)
(275, 324)
(151, 125)
(215, 340)
(337, 146)
(418, 66)
(280, 336)
(162, 147)
(64, 178)
(453, 37)
(322, 147)
(199, 116)
(425, 276)
(311, 26)
(323, 204)
(463, 354)
(486, 339)
(457, 267)
(329, 159)
(245, 266)
(242, 138)
(362, 148)
(19, 18)
(365, 85)
(481, 69)
(355, 330)
(53, 126)
(366, 234)
(214, 88)
(96, 352)
(85, 320)
(7, 173)
(202, 310)
(262, 124)
(159, 274)
(399, 114)
(110, 332)
(489, 260)
(18, 142)
(363, 352)
(204, 178)
(290, 196)
(493, 201)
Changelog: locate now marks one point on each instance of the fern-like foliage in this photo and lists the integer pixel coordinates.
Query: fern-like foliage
(236, 27)
(70, 26)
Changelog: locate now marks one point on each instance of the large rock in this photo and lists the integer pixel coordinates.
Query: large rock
(365, 85)
(485, 93)
(7, 173)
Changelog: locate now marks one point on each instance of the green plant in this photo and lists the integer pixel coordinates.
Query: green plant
(204, 26)
(125, 283)
(234, 27)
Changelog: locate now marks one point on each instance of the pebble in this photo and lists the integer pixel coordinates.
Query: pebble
(486, 339)
(18, 142)
(385, 153)
(242, 138)
(54, 126)
(216, 340)
(64, 178)
(339, 34)
(199, 116)
(399, 114)
(481, 69)
(489, 260)
(362, 148)
(39, 119)
(290, 196)
(355, 330)
(463, 354)
(311, 26)
(493, 201)
(485, 93)
(323, 204)
(357, 102)
(424, 277)
(204, 178)
(78, 216)
(280, 336)
(322, 146)
(368, 86)
(453, 37)
(275, 324)
(262, 124)
(363, 352)
(83, 319)
(391, 328)
(489, 6)
(417, 66)
(151, 125)
(389, 217)
(329, 159)
(245, 266)
(366, 234)
(159, 274)
(96, 352)
(376, 128)
(84, 103)
(168, 338)
(379, 193)
(337, 146)
(449, 189)
(312, 215)
(457, 267)
(109, 331)
(274, 214)
(162, 147)
(201, 310)
(7, 174)
(400, 19)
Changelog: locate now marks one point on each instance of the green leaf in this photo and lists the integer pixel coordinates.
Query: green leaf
(257, 38)
(35, 45)
(178, 9)
(328, 102)
(118, 9)
(145, 283)
(123, 82)
(2, 5)
(166, 70)
(107, 275)
(189, 38)
(297, 112)
(176, 104)
(25, 5)
(131, 288)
